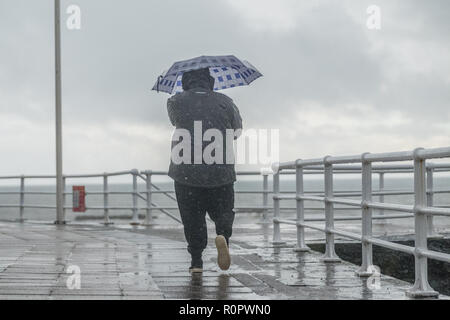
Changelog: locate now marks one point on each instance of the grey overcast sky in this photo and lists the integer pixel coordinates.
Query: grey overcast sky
(330, 85)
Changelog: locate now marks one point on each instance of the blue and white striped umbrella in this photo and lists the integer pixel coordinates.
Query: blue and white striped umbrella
(229, 72)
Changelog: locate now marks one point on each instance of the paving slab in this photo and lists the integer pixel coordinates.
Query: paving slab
(151, 263)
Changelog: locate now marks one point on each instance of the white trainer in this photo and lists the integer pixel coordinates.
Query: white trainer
(223, 254)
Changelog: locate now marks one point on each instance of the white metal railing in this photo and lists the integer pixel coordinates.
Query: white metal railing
(139, 196)
(136, 195)
(423, 209)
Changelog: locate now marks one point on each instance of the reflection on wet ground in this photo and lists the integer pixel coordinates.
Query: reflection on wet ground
(152, 263)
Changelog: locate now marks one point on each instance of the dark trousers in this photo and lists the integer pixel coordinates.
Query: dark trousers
(194, 202)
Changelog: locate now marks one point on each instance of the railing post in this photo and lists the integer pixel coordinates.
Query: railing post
(330, 254)
(300, 204)
(276, 208)
(148, 183)
(265, 219)
(381, 196)
(135, 218)
(22, 199)
(366, 268)
(64, 179)
(106, 221)
(431, 233)
(421, 286)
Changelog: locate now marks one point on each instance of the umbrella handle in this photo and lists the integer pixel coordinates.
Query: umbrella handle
(157, 83)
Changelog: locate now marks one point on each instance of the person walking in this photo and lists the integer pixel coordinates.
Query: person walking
(201, 186)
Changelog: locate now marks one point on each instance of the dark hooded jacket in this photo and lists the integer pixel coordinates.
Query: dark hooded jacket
(199, 103)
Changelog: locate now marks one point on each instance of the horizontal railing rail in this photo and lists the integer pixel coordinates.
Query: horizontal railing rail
(265, 192)
(423, 210)
(136, 194)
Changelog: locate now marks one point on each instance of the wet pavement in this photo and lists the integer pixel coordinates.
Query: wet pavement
(123, 262)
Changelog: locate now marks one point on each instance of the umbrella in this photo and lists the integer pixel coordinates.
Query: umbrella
(228, 71)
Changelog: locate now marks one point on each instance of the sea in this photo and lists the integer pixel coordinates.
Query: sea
(241, 200)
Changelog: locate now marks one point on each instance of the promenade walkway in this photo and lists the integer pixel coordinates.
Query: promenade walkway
(151, 263)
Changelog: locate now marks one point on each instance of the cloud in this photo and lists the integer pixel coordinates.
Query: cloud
(271, 16)
(331, 85)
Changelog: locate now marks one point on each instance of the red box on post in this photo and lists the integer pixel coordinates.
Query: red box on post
(79, 198)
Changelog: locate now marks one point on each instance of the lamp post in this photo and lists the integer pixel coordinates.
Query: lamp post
(60, 218)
